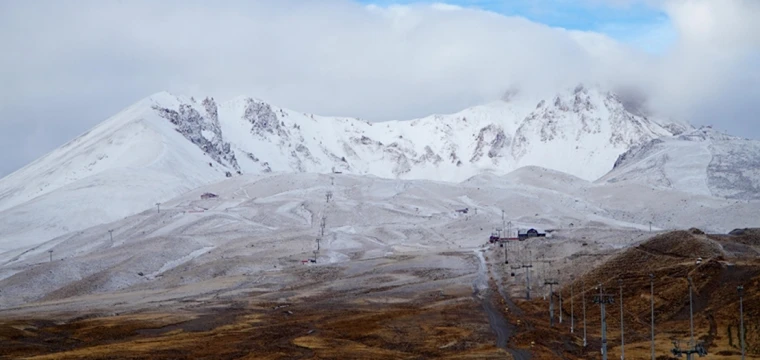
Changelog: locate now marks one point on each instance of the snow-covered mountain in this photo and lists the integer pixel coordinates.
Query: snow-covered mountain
(264, 224)
(701, 161)
(165, 145)
(580, 132)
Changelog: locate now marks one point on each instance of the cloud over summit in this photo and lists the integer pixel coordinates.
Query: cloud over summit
(72, 65)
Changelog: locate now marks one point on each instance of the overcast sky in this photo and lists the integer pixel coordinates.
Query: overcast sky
(68, 65)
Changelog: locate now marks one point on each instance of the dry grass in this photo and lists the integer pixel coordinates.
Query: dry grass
(671, 258)
(449, 329)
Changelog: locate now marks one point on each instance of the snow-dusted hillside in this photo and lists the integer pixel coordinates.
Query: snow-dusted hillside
(120, 167)
(166, 145)
(702, 161)
(262, 224)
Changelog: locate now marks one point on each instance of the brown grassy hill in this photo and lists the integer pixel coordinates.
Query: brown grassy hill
(727, 261)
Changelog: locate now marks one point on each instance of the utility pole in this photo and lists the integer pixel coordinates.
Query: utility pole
(503, 224)
(622, 327)
(650, 226)
(560, 305)
(110, 232)
(551, 283)
(603, 299)
(583, 292)
(51, 255)
(560, 297)
(740, 289)
(651, 303)
(527, 275)
(527, 279)
(572, 315)
(158, 208)
(506, 256)
(322, 225)
(691, 312)
(693, 348)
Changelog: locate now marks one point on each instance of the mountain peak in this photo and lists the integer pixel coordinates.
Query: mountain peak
(171, 144)
(163, 98)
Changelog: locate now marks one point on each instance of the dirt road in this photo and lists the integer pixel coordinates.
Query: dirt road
(503, 329)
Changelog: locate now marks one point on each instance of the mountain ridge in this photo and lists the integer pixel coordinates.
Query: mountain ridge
(166, 145)
(700, 161)
(505, 136)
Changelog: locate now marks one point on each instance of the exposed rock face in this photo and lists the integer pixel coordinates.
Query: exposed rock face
(580, 126)
(585, 118)
(493, 137)
(262, 118)
(203, 131)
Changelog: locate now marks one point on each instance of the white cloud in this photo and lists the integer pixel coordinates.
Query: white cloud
(68, 66)
(703, 77)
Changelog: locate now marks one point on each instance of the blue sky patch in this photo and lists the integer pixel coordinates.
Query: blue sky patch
(635, 23)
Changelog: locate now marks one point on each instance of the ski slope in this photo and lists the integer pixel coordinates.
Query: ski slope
(120, 167)
(702, 161)
(262, 224)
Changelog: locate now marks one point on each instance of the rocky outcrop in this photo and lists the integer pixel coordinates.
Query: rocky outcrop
(491, 137)
(203, 131)
(582, 115)
(262, 118)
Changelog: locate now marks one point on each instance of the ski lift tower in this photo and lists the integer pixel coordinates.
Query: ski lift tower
(527, 268)
(693, 347)
(505, 244)
(603, 299)
(551, 283)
